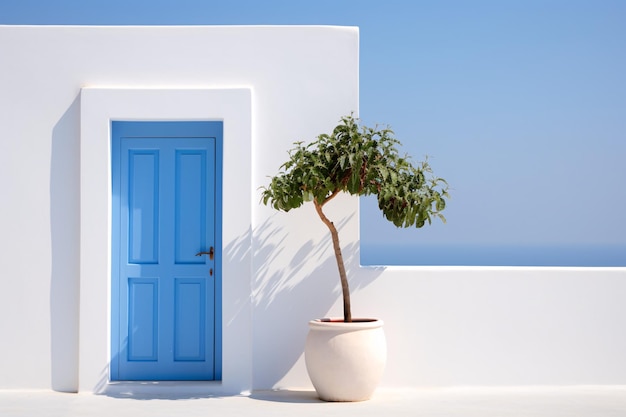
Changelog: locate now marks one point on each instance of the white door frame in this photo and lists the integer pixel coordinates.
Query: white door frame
(98, 107)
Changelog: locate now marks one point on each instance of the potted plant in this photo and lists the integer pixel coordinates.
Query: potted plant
(345, 357)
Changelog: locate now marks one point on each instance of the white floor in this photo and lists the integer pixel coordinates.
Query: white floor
(585, 401)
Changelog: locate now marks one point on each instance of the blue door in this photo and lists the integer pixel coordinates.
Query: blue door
(166, 254)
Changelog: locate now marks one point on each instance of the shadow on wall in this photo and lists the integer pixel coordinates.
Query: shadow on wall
(290, 289)
(65, 240)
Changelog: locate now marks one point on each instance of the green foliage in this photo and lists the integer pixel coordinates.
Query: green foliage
(359, 160)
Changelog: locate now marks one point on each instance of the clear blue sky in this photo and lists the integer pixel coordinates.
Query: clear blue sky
(521, 106)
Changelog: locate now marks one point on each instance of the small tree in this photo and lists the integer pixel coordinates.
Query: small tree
(360, 161)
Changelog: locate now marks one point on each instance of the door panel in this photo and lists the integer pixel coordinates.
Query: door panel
(192, 211)
(143, 206)
(142, 319)
(190, 317)
(166, 209)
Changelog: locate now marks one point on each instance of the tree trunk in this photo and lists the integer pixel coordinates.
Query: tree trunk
(347, 313)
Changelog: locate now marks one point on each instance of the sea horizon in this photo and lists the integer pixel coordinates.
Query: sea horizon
(493, 255)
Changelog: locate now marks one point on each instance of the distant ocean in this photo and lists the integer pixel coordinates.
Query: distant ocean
(497, 255)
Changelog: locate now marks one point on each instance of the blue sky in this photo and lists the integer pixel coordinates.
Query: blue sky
(520, 105)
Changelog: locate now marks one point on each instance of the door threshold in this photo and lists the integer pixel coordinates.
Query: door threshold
(163, 389)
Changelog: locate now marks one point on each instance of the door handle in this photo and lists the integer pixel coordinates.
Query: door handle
(211, 253)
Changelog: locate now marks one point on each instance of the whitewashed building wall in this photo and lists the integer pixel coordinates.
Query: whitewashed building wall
(271, 86)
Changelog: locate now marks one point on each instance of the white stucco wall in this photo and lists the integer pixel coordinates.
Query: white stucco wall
(297, 81)
(445, 326)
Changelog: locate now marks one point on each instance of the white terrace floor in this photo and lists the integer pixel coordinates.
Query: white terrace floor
(584, 401)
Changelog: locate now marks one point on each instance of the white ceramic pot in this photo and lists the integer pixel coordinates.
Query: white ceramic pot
(345, 361)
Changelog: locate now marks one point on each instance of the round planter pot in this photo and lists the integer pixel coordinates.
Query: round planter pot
(345, 361)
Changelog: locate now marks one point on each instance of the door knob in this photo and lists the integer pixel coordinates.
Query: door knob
(211, 253)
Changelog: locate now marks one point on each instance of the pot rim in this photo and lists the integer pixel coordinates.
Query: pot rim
(337, 323)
